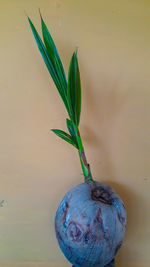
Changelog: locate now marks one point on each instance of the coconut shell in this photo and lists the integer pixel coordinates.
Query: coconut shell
(90, 224)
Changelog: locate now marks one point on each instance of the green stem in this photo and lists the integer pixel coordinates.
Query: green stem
(84, 164)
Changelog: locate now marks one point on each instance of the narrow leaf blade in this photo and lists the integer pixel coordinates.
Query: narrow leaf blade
(72, 131)
(48, 62)
(64, 136)
(54, 56)
(78, 90)
(74, 89)
(70, 90)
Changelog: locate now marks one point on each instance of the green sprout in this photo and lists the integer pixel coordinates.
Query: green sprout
(70, 91)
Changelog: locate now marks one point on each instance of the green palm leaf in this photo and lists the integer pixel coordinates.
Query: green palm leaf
(74, 89)
(65, 136)
(72, 131)
(49, 64)
(54, 56)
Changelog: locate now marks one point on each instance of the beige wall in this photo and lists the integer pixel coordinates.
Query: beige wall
(36, 167)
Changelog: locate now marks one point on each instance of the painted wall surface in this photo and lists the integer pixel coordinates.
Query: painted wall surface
(36, 167)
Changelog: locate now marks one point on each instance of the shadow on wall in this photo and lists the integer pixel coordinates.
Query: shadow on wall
(135, 214)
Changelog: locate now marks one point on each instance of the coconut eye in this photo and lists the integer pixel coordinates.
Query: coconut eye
(100, 194)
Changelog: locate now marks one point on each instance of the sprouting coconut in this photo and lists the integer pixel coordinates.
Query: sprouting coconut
(90, 221)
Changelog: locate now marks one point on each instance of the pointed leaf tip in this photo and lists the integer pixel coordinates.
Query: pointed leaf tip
(64, 136)
(52, 60)
(40, 12)
(76, 51)
(56, 61)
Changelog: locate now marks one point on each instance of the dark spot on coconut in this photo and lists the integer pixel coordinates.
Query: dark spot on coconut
(121, 218)
(86, 239)
(107, 234)
(64, 213)
(75, 231)
(84, 215)
(98, 219)
(118, 247)
(87, 234)
(102, 195)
